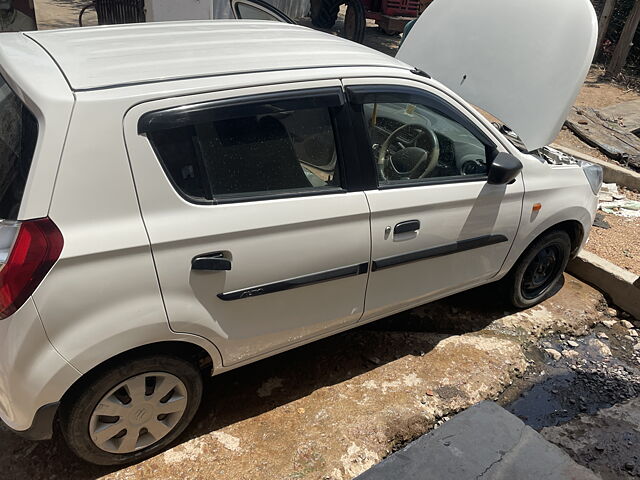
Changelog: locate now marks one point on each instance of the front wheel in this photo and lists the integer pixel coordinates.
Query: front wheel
(537, 272)
(132, 410)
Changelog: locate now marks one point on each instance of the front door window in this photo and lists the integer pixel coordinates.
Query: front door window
(414, 143)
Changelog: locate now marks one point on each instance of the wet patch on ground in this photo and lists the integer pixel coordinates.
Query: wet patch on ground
(568, 391)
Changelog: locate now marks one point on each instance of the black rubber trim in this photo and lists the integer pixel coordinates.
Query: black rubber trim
(361, 152)
(342, 272)
(42, 426)
(237, 107)
(422, 73)
(425, 182)
(275, 195)
(459, 246)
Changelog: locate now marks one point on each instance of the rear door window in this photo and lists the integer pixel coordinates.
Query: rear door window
(18, 135)
(258, 151)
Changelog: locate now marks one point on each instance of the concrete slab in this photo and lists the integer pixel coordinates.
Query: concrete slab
(621, 285)
(485, 441)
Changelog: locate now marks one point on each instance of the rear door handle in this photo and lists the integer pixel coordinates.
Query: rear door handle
(407, 226)
(210, 261)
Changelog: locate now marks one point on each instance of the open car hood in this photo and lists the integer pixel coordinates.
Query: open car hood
(523, 61)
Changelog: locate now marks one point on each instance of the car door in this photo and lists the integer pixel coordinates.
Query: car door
(258, 242)
(442, 228)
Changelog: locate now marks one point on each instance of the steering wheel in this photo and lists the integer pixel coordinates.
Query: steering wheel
(410, 162)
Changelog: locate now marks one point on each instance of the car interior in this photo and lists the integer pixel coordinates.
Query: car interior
(411, 141)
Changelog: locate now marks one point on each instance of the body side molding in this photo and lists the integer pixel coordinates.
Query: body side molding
(459, 246)
(296, 282)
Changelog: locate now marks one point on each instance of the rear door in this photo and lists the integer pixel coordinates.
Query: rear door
(258, 241)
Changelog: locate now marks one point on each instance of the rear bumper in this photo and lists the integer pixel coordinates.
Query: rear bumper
(42, 426)
(33, 375)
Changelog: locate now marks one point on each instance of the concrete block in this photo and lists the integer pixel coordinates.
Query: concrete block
(621, 285)
(485, 441)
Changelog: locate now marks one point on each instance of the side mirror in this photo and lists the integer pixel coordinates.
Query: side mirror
(504, 169)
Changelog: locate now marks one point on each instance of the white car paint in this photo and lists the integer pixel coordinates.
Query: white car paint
(121, 55)
(32, 373)
(522, 61)
(123, 277)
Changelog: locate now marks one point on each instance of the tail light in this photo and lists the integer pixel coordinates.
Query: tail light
(28, 250)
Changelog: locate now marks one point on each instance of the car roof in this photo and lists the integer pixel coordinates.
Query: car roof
(112, 56)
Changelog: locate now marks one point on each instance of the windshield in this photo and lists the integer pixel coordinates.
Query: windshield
(18, 135)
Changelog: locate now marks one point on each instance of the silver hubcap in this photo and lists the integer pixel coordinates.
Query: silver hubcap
(138, 412)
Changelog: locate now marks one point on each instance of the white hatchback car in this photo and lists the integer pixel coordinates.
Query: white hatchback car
(180, 198)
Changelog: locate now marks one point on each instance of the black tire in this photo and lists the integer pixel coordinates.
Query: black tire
(355, 21)
(76, 411)
(538, 270)
(324, 13)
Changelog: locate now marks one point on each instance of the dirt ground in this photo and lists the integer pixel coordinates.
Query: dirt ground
(618, 244)
(332, 409)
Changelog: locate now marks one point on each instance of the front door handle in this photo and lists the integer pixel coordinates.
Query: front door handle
(210, 261)
(407, 226)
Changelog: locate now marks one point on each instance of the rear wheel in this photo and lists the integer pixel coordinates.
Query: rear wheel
(324, 13)
(537, 272)
(133, 410)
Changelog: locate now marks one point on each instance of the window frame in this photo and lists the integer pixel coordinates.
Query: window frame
(331, 98)
(359, 95)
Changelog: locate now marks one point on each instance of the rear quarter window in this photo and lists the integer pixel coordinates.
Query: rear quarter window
(18, 136)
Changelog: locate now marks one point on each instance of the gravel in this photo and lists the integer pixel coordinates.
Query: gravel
(626, 324)
(618, 244)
